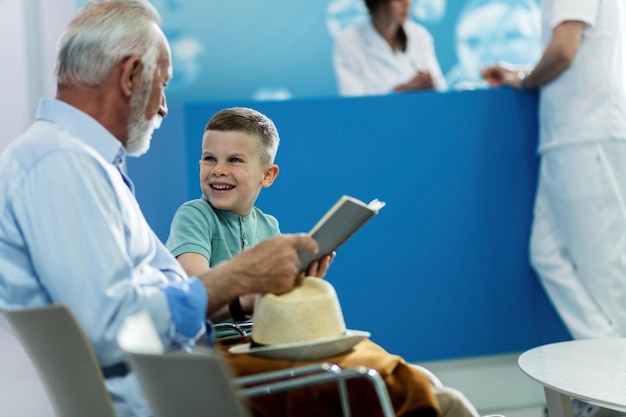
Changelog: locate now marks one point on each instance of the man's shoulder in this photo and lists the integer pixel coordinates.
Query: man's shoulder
(44, 140)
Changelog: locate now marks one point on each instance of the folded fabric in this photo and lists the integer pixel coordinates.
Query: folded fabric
(409, 389)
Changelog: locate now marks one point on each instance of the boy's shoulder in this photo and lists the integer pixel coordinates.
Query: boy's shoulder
(260, 216)
(196, 208)
(198, 203)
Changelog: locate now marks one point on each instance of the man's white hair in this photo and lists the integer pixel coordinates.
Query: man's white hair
(102, 34)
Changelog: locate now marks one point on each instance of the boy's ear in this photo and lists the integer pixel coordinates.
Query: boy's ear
(270, 174)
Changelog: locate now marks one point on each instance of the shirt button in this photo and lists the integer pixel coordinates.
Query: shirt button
(245, 236)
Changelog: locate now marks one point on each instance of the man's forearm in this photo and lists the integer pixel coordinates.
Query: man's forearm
(222, 286)
(270, 266)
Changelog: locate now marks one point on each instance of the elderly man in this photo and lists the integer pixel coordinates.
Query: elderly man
(71, 230)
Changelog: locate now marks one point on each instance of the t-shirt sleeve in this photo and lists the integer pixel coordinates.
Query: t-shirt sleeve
(580, 10)
(190, 231)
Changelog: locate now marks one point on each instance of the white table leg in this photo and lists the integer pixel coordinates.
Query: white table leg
(559, 405)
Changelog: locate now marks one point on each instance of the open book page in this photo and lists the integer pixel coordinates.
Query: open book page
(339, 223)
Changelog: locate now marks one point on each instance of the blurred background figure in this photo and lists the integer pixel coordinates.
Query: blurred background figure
(342, 14)
(186, 48)
(387, 53)
(428, 11)
(272, 93)
(169, 5)
(579, 228)
(491, 31)
(224, 51)
(186, 51)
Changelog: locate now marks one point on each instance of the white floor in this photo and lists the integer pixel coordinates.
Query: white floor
(494, 384)
(522, 412)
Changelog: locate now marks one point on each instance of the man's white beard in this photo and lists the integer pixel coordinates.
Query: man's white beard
(139, 129)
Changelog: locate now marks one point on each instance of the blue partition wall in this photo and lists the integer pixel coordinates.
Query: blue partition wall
(442, 272)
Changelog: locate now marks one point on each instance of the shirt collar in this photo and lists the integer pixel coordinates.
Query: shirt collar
(229, 215)
(375, 39)
(83, 127)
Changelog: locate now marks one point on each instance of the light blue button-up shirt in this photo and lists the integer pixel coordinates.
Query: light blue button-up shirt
(72, 232)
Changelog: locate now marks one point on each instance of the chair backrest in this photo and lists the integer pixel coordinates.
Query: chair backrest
(63, 359)
(185, 382)
(190, 384)
(197, 382)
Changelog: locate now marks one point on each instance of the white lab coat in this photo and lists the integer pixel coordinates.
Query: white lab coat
(366, 65)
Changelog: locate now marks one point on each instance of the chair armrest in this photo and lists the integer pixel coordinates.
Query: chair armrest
(241, 328)
(282, 374)
(319, 374)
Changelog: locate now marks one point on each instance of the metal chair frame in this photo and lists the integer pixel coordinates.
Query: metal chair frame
(72, 377)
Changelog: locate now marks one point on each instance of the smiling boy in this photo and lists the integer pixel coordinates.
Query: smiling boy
(238, 150)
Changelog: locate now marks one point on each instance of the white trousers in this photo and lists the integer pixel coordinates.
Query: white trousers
(578, 238)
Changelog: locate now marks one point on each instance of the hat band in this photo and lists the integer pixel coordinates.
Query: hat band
(254, 344)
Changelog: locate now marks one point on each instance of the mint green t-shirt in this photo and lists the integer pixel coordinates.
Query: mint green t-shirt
(217, 234)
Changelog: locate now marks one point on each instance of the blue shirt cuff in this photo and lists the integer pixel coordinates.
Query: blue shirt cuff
(188, 303)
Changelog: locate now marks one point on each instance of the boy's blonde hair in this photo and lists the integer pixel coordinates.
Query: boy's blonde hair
(243, 119)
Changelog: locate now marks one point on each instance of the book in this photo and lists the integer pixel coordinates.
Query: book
(339, 223)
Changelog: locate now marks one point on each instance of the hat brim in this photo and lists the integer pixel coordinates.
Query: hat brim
(309, 350)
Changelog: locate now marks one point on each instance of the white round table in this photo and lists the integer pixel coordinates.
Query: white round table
(590, 370)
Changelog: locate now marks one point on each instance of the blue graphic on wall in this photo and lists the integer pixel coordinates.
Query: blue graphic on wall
(488, 31)
(282, 49)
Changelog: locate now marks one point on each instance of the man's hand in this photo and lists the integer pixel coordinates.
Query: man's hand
(501, 74)
(316, 269)
(271, 266)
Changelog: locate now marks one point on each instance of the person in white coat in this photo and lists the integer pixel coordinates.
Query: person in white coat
(578, 241)
(387, 53)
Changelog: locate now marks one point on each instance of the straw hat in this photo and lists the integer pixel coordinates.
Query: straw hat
(305, 323)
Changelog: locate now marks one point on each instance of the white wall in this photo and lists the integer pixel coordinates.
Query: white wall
(28, 33)
(29, 30)
(14, 99)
